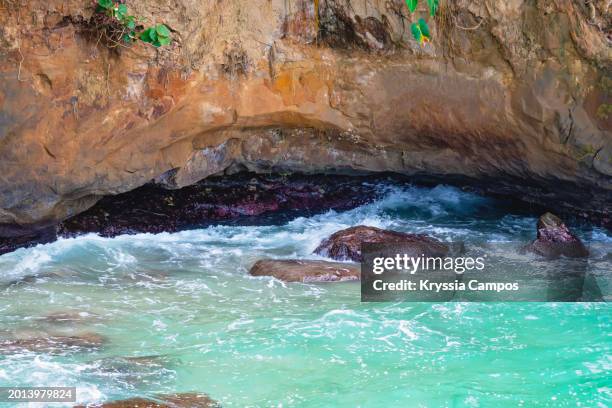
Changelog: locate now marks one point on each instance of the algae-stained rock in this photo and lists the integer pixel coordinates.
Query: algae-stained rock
(296, 270)
(345, 245)
(554, 239)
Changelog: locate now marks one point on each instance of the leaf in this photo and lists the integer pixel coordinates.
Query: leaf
(127, 38)
(105, 4)
(152, 34)
(121, 11)
(144, 36)
(433, 6)
(416, 32)
(131, 24)
(164, 40)
(163, 31)
(412, 5)
(424, 28)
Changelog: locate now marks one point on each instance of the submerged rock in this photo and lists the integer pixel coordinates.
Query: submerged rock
(183, 400)
(36, 278)
(69, 317)
(295, 270)
(53, 344)
(554, 239)
(345, 245)
(155, 361)
(135, 371)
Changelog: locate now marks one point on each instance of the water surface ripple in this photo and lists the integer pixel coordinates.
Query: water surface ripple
(181, 313)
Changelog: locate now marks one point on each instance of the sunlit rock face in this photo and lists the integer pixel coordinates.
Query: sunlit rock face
(507, 94)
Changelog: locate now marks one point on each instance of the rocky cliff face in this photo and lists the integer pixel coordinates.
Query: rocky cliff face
(508, 94)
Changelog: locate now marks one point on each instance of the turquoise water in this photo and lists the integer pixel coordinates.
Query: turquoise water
(187, 301)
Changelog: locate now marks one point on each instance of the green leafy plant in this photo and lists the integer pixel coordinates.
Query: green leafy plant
(157, 35)
(420, 30)
(433, 6)
(412, 5)
(121, 27)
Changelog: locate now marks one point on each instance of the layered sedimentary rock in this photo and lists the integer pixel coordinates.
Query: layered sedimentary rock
(511, 95)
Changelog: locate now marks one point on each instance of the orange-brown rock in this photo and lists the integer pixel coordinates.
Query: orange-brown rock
(345, 245)
(306, 270)
(184, 400)
(507, 93)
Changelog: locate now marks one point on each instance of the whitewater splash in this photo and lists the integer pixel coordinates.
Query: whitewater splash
(176, 308)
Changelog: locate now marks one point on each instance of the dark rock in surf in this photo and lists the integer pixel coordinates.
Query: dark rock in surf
(554, 239)
(308, 271)
(241, 199)
(184, 400)
(345, 245)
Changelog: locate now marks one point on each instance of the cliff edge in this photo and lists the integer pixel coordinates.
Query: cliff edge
(511, 95)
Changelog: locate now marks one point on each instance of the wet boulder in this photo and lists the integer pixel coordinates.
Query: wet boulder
(345, 245)
(295, 270)
(554, 239)
(184, 400)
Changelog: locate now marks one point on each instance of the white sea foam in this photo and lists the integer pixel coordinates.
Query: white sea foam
(189, 294)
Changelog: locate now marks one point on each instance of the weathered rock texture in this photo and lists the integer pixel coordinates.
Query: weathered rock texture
(554, 239)
(508, 91)
(238, 199)
(345, 245)
(308, 271)
(242, 199)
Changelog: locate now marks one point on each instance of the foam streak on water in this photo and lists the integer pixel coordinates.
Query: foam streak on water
(186, 302)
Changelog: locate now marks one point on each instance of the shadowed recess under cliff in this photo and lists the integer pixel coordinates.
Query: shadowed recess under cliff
(241, 199)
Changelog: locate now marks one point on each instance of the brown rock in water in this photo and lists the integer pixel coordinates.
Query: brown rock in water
(294, 270)
(53, 344)
(345, 245)
(554, 239)
(183, 400)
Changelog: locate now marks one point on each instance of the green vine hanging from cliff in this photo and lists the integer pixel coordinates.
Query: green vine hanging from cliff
(420, 30)
(121, 28)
